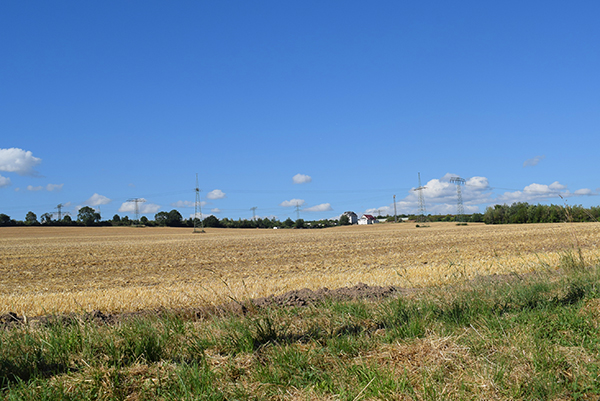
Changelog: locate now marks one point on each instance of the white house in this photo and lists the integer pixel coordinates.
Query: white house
(352, 217)
(367, 219)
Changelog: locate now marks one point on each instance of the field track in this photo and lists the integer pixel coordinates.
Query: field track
(115, 269)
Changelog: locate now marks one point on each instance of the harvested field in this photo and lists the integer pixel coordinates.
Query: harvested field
(114, 269)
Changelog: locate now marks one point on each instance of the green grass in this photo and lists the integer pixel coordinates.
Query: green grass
(525, 338)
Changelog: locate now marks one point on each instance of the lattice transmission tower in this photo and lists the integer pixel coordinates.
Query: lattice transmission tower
(198, 210)
(422, 219)
(60, 212)
(136, 202)
(460, 210)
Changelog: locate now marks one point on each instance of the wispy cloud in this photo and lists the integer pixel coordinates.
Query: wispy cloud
(216, 194)
(301, 179)
(54, 187)
(187, 204)
(534, 161)
(323, 207)
(292, 203)
(15, 160)
(4, 181)
(34, 189)
(215, 210)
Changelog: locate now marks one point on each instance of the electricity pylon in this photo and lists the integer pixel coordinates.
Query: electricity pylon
(422, 213)
(198, 207)
(136, 201)
(460, 211)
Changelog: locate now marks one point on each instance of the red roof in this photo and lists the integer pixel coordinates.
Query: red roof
(369, 217)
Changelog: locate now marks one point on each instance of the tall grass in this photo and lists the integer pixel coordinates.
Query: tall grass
(520, 337)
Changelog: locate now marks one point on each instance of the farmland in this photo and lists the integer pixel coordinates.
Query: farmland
(64, 269)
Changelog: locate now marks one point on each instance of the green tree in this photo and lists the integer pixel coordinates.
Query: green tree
(67, 220)
(288, 223)
(211, 221)
(5, 220)
(88, 216)
(46, 218)
(174, 218)
(161, 218)
(344, 220)
(299, 223)
(116, 220)
(31, 219)
(144, 220)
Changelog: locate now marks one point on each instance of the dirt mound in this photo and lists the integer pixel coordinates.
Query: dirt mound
(296, 298)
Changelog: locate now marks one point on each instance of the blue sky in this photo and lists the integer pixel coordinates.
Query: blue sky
(331, 106)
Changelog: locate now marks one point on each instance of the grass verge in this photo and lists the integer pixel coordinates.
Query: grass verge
(533, 337)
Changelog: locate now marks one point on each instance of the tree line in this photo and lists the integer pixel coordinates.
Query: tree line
(523, 212)
(87, 216)
(517, 213)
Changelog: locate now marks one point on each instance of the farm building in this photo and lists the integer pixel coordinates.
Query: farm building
(367, 219)
(352, 217)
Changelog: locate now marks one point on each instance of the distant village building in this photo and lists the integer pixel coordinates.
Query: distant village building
(367, 219)
(352, 217)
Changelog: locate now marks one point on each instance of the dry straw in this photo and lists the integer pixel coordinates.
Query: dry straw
(63, 269)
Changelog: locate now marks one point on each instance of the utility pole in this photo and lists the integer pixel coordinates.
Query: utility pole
(254, 212)
(297, 211)
(395, 212)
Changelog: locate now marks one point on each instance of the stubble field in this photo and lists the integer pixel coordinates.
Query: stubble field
(47, 270)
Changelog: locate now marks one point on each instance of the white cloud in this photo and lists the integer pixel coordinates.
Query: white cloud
(144, 208)
(15, 160)
(216, 194)
(215, 210)
(292, 203)
(584, 192)
(97, 199)
(4, 181)
(187, 204)
(535, 192)
(54, 187)
(323, 207)
(301, 179)
(32, 188)
(533, 162)
(440, 197)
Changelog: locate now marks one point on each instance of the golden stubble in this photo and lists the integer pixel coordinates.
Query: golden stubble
(114, 269)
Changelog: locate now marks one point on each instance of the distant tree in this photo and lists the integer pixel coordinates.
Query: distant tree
(5, 220)
(211, 221)
(125, 221)
(344, 220)
(174, 219)
(288, 223)
(299, 223)
(31, 219)
(67, 220)
(161, 218)
(46, 218)
(116, 220)
(144, 220)
(88, 216)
